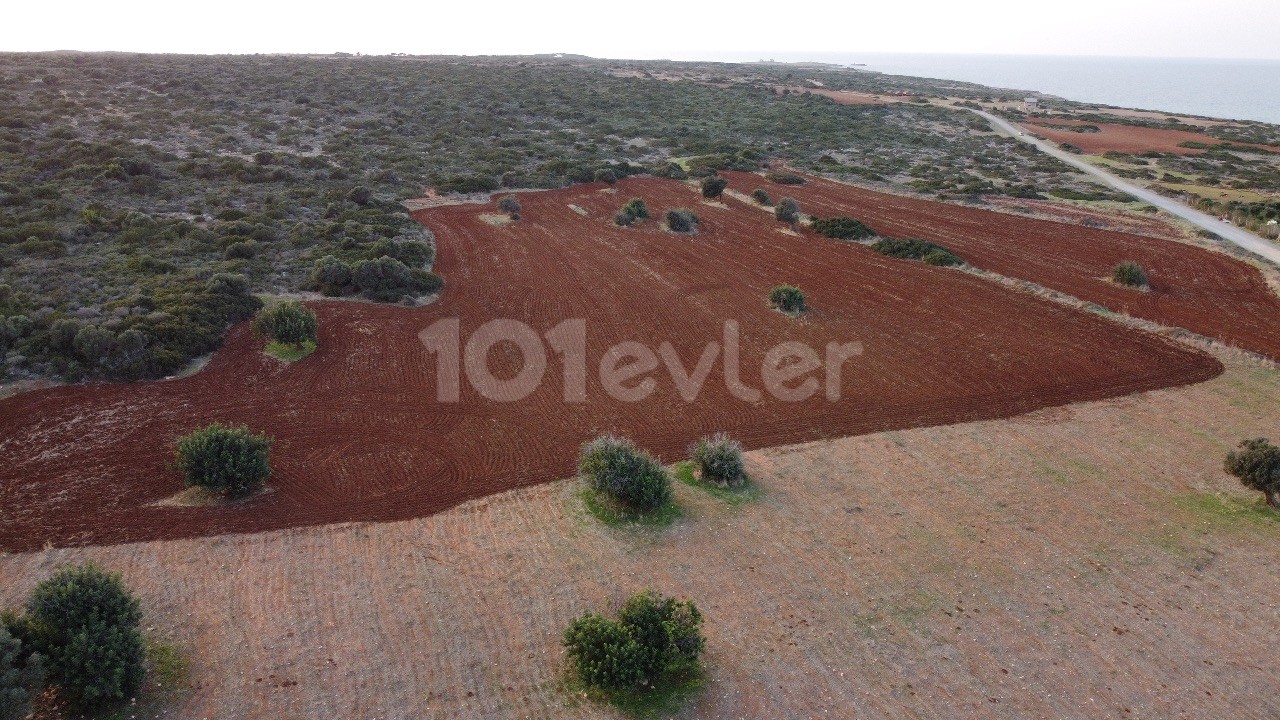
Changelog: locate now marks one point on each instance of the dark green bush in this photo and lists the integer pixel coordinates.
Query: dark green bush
(787, 298)
(86, 622)
(388, 280)
(330, 276)
(287, 322)
(760, 196)
(842, 228)
(719, 458)
(637, 209)
(682, 220)
(509, 205)
(787, 210)
(713, 186)
(654, 636)
(783, 178)
(625, 473)
(22, 674)
(224, 459)
(914, 249)
(623, 219)
(1129, 273)
(606, 175)
(1257, 465)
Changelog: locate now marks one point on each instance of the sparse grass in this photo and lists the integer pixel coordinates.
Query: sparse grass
(614, 514)
(1215, 511)
(662, 699)
(289, 352)
(167, 667)
(733, 496)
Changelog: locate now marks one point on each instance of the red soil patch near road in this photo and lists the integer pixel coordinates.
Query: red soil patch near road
(360, 435)
(1206, 292)
(1125, 138)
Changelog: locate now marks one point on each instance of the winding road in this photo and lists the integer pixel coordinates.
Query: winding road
(1239, 236)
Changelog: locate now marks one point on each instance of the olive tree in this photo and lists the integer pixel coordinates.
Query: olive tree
(287, 322)
(713, 187)
(1257, 464)
(224, 459)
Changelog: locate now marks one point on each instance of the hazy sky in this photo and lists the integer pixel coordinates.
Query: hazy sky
(678, 29)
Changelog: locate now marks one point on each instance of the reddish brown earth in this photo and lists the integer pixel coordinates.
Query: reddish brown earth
(360, 435)
(1125, 138)
(1203, 291)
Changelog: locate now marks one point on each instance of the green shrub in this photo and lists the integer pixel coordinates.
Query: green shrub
(842, 228)
(719, 459)
(605, 175)
(628, 475)
(413, 254)
(509, 205)
(87, 623)
(682, 220)
(784, 178)
(653, 636)
(287, 322)
(787, 210)
(914, 249)
(713, 186)
(360, 195)
(637, 209)
(1257, 465)
(623, 219)
(760, 196)
(1129, 273)
(224, 459)
(787, 298)
(330, 276)
(22, 674)
(388, 280)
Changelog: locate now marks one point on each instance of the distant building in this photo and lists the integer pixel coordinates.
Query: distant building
(1030, 104)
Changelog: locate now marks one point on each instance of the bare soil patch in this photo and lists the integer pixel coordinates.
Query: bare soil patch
(1209, 293)
(360, 434)
(1085, 561)
(1124, 138)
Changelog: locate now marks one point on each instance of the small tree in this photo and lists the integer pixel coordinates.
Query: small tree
(682, 220)
(637, 209)
(330, 275)
(287, 322)
(760, 196)
(511, 206)
(1129, 273)
(625, 473)
(787, 298)
(605, 175)
(224, 459)
(719, 459)
(654, 636)
(1257, 464)
(787, 210)
(86, 622)
(713, 186)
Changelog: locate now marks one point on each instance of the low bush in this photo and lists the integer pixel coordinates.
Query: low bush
(719, 459)
(787, 210)
(330, 276)
(914, 249)
(623, 219)
(635, 210)
(783, 178)
(87, 623)
(682, 220)
(842, 228)
(509, 205)
(224, 459)
(625, 473)
(388, 280)
(22, 674)
(760, 196)
(1129, 273)
(787, 298)
(287, 322)
(1257, 464)
(653, 637)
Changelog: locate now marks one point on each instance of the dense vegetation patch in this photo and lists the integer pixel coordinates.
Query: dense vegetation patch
(914, 249)
(842, 228)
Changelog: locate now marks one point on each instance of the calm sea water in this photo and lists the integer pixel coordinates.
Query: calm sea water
(1235, 89)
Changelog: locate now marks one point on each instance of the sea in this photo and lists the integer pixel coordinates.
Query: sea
(1230, 89)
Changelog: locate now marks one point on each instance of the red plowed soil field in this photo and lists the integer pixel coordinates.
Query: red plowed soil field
(1206, 292)
(360, 434)
(1125, 138)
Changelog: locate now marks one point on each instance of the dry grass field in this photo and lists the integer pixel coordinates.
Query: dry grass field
(1087, 561)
